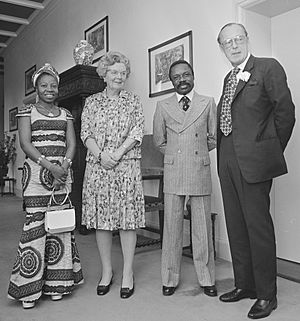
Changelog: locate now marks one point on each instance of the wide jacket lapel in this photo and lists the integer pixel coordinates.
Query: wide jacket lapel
(198, 105)
(241, 84)
(172, 108)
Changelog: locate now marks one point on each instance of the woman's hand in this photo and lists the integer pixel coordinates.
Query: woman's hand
(107, 161)
(59, 173)
(116, 155)
(57, 184)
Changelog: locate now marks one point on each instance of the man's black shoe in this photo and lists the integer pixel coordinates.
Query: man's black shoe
(262, 308)
(168, 290)
(237, 295)
(210, 290)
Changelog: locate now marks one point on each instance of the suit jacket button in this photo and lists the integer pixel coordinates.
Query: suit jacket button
(196, 134)
(179, 151)
(196, 152)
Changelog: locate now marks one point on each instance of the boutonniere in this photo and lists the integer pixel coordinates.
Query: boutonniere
(244, 76)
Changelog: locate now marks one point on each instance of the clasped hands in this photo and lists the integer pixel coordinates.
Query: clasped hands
(110, 160)
(60, 174)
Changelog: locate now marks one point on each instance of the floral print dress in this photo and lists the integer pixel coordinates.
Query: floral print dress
(113, 199)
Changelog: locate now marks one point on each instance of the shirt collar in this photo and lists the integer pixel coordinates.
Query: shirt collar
(189, 95)
(243, 64)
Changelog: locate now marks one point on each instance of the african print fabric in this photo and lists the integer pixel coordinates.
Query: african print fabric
(113, 199)
(45, 263)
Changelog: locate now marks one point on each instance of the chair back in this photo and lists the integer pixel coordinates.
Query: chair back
(151, 156)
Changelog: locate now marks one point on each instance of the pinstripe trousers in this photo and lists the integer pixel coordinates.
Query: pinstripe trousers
(203, 253)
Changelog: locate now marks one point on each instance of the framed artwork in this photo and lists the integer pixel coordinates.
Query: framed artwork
(13, 122)
(28, 81)
(97, 36)
(160, 59)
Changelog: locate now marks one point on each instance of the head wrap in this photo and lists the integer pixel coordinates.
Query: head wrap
(46, 69)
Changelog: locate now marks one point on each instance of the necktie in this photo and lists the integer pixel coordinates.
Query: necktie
(230, 87)
(185, 101)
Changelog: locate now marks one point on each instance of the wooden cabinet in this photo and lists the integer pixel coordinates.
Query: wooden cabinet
(76, 84)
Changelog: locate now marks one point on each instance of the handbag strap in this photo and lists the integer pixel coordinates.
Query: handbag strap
(52, 198)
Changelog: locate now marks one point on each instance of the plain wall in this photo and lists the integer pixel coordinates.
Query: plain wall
(286, 49)
(134, 27)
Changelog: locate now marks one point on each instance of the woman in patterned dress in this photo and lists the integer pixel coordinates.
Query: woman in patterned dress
(46, 263)
(112, 199)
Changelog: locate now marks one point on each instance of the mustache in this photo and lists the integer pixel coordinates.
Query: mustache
(183, 83)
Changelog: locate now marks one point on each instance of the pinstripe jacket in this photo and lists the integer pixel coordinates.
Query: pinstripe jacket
(185, 139)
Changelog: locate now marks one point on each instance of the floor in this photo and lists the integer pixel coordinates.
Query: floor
(147, 304)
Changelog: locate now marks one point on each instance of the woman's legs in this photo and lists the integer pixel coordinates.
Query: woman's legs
(104, 242)
(128, 243)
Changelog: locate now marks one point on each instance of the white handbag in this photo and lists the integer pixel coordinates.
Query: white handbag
(60, 220)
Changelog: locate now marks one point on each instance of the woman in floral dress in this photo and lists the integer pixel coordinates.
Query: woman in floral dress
(112, 130)
(46, 263)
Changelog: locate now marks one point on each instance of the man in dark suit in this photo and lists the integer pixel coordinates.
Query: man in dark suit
(256, 117)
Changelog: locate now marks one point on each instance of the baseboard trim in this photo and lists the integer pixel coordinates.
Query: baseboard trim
(288, 270)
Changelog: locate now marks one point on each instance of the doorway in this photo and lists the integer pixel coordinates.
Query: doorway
(272, 23)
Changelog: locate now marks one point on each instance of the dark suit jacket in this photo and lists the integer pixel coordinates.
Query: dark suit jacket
(263, 117)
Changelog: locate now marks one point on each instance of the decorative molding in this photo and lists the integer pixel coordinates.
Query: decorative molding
(49, 5)
(248, 3)
(12, 19)
(79, 86)
(26, 3)
(242, 5)
(7, 33)
(268, 8)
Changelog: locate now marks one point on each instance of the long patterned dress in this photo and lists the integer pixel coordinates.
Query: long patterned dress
(113, 199)
(45, 263)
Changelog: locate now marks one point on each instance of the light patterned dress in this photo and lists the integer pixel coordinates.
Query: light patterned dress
(113, 199)
(45, 263)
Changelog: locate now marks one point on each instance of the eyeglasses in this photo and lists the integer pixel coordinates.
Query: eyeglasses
(228, 43)
(115, 73)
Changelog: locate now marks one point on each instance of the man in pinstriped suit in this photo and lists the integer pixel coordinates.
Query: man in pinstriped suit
(184, 129)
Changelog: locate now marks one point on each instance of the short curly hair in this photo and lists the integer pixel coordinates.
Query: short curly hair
(109, 59)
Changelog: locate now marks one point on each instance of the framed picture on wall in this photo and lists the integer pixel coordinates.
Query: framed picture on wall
(97, 36)
(13, 123)
(28, 80)
(160, 59)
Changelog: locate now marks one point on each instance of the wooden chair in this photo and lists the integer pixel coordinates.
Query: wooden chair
(152, 169)
(188, 250)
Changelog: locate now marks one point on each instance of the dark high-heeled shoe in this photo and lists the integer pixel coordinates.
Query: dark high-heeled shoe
(104, 289)
(126, 293)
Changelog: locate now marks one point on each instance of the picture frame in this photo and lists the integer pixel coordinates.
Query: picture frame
(28, 80)
(13, 122)
(97, 36)
(160, 59)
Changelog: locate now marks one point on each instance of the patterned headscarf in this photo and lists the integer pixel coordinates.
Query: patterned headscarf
(46, 69)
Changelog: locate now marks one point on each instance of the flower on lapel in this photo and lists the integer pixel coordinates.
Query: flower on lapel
(244, 76)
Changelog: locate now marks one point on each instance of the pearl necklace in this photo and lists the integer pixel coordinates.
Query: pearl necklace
(49, 112)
